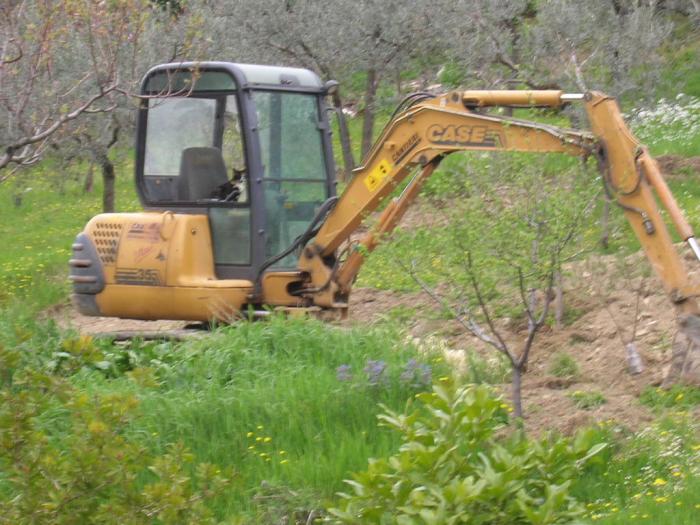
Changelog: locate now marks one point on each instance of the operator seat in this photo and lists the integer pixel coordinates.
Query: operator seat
(202, 172)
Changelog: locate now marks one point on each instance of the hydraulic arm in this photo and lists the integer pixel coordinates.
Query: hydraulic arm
(428, 128)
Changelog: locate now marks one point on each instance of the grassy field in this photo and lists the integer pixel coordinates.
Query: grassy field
(289, 408)
(289, 405)
(41, 212)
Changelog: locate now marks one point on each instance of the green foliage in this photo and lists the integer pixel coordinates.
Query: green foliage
(455, 466)
(678, 396)
(65, 457)
(541, 204)
(587, 400)
(683, 65)
(493, 370)
(278, 381)
(452, 75)
(281, 380)
(401, 314)
(563, 365)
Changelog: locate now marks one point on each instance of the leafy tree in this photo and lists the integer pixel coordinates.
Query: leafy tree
(612, 45)
(337, 39)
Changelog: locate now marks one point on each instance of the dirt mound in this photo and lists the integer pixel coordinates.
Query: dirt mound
(594, 340)
(675, 165)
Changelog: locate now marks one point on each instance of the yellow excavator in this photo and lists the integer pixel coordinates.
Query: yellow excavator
(235, 171)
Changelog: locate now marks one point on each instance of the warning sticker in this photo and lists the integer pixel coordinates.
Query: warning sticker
(377, 175)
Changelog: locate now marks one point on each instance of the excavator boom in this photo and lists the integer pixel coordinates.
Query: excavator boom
(425, 132)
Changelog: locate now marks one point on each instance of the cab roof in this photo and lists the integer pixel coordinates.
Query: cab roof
(248, 75)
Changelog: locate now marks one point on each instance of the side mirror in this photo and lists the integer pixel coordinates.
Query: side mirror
(330, 87)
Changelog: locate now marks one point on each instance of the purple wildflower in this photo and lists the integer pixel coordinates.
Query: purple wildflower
(425, 375)
(409, 372)
(375, 371)
(343, 373)
(416, 374)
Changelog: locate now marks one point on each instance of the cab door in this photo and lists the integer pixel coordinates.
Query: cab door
(294, 166)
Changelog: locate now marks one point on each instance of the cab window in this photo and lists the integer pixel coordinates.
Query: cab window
(193, 150)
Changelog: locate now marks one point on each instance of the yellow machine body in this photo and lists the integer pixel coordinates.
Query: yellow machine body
(159, 266)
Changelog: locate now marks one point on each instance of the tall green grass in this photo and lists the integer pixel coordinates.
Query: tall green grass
(268, 400)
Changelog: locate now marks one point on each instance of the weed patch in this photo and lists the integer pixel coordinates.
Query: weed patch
(587, 400)
(564, 366)
(678, 396)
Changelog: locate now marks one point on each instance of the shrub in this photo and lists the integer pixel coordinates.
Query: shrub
(455, 466)
(563, 365)
(65, 457)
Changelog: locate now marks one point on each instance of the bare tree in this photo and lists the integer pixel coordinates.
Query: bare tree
(59, 60)
(507, 241)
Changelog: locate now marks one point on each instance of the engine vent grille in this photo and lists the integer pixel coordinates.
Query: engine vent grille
(106, 238)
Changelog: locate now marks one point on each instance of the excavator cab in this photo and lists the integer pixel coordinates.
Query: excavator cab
(246, 145)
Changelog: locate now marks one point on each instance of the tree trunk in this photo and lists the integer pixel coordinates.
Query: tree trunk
(517, 390)
(558, 300)
(368, 123)
(89, 178)
(605, 224)
(108, 179)
(344, 135)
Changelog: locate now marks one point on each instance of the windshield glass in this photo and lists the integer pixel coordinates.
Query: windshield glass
(194, 150)
(173, 125)
(294, 167)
